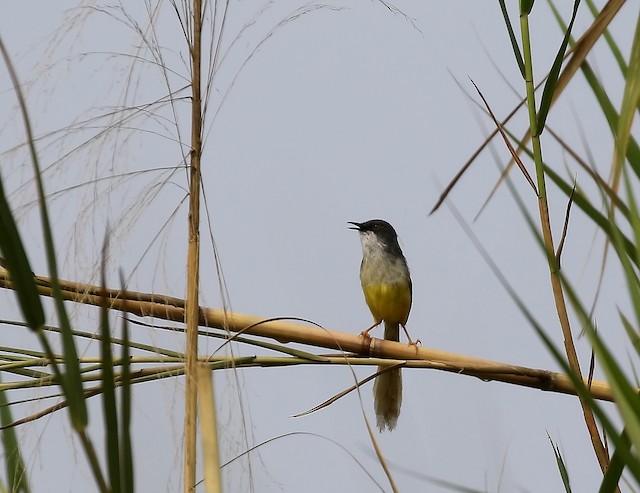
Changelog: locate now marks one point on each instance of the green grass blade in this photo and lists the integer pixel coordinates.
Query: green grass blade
(526, 6)
(126, 464)
(632, 333)
(625, 395)
(562, 468)
(14, 465)
(554, 73)
(71, 382)
(633, 284)
(17, 263)
(616, 466)
(108, 391)
(630, 99)
(512, 37)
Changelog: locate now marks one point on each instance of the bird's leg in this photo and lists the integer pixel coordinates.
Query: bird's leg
(365, 333)
(411, 341)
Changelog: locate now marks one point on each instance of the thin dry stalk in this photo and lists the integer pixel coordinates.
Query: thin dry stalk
(208, 430)
(193, 258)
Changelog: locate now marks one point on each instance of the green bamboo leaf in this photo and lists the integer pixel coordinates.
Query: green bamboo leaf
(562, 468)
(554, 73)
(17, 478)
(625, 394)
(108, 388)
(17, 263)
(126, 464)
(630, 272)
(526, 6)
(512, 37)
(630, 99)
(616, 465)
(632, 333)
(71, 382)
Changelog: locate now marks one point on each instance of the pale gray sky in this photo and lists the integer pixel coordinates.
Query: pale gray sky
(341, 115)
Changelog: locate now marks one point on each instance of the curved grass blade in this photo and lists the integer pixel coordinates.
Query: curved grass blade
(616, 466)
(526, 6)
(562, 467)
(126, 464)
(630, 99)
(71, 382)
(17, 478)
(108, 389)
(554, 73)
(17, 263)
(632, 333)
(512, 37)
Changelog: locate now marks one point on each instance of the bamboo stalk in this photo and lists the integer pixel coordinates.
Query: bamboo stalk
(554, 267)
(193, 259)
(209, 431)
(169, 308)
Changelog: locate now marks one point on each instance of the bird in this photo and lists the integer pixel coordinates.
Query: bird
(386, 284)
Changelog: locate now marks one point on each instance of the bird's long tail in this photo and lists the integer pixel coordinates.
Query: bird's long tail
(387, 389)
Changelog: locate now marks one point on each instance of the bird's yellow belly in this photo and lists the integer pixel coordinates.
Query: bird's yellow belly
(389, 302)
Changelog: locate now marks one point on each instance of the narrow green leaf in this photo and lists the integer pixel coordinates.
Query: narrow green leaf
(526, 6)
(71, 382)
(126, 464)
(512, 37)
(562, 468)
(633, 286)
(17, 263)
(632, 333)
(108, 388)
(554, 73)
(617, 464)
(17, 478)
(630, 99)
(625, 395)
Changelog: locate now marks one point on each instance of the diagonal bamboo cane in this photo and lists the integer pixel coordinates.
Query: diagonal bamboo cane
(170, 308)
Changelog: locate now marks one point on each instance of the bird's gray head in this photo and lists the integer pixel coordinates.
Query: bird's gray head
(377, 231)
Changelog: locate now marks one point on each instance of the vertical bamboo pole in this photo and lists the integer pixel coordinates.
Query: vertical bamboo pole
(193, 258)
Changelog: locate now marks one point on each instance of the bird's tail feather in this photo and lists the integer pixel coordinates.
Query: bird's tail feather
(387, 389)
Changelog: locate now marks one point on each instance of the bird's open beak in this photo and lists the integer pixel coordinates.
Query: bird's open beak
(357, 225)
